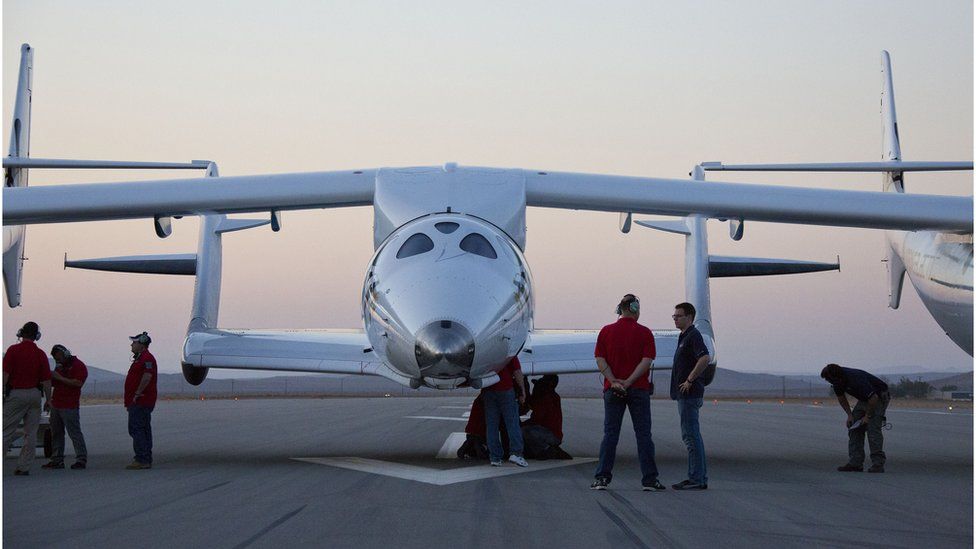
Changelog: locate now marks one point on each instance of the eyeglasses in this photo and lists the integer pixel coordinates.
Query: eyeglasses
(676, 317)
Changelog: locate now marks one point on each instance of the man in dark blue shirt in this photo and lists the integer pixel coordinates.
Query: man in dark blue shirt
(691, 358)
(868, 414)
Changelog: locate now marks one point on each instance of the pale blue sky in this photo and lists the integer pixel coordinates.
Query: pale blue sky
(620, 87)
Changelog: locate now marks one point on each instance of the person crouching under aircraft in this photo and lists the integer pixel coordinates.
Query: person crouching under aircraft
(140, 399)
(690, 360)
(872, 402)
(624, 353)
(543, 431)
(67, 379)
(500, 404)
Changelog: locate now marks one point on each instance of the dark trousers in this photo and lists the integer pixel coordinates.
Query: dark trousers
(140, 429)
(638, 401)
(67, 419)
(855, 443)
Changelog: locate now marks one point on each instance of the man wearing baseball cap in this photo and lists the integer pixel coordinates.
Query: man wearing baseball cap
(140, 399)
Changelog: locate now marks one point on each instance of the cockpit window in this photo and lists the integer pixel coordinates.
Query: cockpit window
(415, 245)
(446, 227)
(479, 245)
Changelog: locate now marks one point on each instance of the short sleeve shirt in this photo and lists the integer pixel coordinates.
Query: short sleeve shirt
(506, 376)
(68, 397)
(691, 347)
(623, 345)
(860, 384)
(26, 365)
(142, 364)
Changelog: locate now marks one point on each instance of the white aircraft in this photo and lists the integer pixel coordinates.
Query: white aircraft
(939, 264)
(448, 297)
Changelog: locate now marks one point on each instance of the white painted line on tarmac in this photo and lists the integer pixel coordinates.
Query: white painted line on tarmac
(438, 477)
(451, 445)
(466, 414)
(468, 407)
(437, 417)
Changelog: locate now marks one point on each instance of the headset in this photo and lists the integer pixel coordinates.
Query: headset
(64, 351)
(30, 328)
(633, 304)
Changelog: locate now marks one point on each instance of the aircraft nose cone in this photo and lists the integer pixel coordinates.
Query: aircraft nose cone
(444, 349)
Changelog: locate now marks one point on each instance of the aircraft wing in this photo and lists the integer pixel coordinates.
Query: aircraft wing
(683, 197)
(571, 351)
(321, 351)
(176, 197)
(612, 193)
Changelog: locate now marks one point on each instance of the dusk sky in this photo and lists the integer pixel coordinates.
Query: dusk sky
(632, 88)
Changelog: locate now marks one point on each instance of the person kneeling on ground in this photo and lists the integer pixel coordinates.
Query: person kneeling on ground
(474, 446)
(543, 431)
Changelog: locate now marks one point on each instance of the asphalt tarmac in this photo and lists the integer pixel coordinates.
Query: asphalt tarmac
(365, 473)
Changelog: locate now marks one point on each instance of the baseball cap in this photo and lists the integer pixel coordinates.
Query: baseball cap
(141, 338)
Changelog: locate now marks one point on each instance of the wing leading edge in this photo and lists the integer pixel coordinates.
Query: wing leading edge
(681, 197)
(320, 351)
(175, 197)
(571, 351)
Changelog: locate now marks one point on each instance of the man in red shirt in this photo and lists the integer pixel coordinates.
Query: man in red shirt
(67, 379)
(26, 373)
(543, 431)
(500, 405)
(140, 399)
(624, 353)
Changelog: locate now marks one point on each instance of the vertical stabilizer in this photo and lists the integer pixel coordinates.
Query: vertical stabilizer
(13, 236)
(890, 142)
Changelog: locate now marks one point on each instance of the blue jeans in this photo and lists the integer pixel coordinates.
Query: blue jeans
(691, 435)
(639, 403)
(501, 404)
(140, 430)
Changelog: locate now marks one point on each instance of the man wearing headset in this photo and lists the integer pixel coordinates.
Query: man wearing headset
(68, 377)
(26, 373)
(140, 399)
(624, 353)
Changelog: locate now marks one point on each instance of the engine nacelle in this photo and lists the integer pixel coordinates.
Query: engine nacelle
(194, 375)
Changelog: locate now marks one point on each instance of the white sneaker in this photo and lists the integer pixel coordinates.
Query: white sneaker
(518, 460)
(497, 464)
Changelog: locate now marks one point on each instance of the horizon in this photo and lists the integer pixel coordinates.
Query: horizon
(624, 88)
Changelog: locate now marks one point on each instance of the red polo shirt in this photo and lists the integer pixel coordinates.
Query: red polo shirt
(67, 396)
(547, 411)
(506, 376)
(26, 365)
(145, 363)
(623, 345)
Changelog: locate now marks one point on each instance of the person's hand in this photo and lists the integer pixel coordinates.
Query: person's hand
(850, 420)
(136, 397)
(521, 399)
(617, 385)
(685, 387)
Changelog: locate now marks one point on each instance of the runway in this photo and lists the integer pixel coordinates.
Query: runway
(266, 473)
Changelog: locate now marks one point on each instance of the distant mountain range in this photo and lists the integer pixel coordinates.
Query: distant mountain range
(103, 383)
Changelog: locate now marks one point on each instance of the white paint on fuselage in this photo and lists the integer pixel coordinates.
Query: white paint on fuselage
(940, 266)
(490, 297)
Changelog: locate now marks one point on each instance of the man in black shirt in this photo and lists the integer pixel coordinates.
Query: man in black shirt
(690, 361)
(868, 414)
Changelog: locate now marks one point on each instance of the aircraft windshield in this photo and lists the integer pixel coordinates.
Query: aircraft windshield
(446, 227)
(478, 245)
(415, 245)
